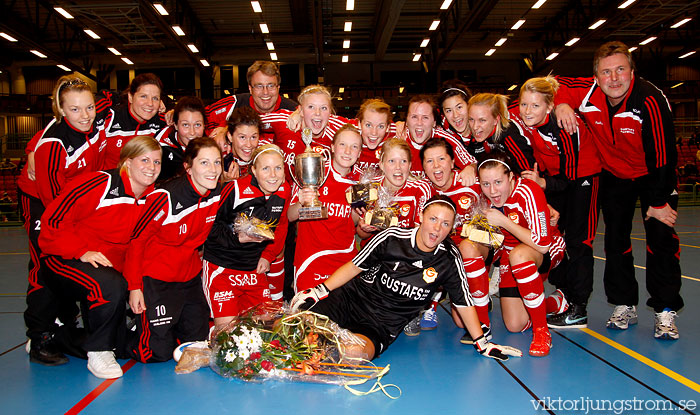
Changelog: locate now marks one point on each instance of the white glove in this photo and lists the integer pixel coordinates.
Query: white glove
(306, 299)
(495, 351)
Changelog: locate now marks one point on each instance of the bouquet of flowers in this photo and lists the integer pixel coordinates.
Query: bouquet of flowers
(265, 343)
(478, 229)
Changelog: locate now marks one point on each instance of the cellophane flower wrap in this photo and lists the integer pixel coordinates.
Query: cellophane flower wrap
(253, 227)
(382, 214)
(269, 343)
(365, 192)
(477, 228)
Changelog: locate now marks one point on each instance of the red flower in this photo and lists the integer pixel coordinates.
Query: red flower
(276, 344)
(255, 356)
(267, 365)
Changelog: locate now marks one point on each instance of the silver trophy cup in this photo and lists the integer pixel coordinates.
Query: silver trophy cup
(309, 173)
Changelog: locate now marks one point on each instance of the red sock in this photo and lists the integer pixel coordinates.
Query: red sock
(478, 281)
(275, 278)
(532, 291)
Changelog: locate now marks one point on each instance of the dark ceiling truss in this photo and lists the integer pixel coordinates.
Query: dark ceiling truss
(182, 14)
(38, 26)
(459, 20)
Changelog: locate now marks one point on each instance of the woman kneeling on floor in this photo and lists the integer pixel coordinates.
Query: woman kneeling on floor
(85, 233)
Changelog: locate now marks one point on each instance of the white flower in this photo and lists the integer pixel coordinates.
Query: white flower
(230, 356)
(244, 354)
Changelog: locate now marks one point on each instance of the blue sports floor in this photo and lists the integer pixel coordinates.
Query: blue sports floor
(595, 370)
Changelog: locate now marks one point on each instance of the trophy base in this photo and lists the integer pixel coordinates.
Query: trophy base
(313, 212)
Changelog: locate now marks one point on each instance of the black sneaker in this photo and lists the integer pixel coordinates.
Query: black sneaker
(45, 352)
(573, 318)
(467, 338)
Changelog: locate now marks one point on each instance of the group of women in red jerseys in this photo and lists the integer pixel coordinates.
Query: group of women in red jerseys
(101, 234)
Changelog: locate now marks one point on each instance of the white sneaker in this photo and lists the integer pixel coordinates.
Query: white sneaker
(622, 316)
(103, 365)
(494, 281)
(665, 325)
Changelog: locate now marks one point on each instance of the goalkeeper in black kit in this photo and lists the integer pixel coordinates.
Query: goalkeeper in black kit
(399, 270)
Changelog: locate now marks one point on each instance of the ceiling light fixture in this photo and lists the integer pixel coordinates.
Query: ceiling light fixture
(538, 5)
(425, 42)
(8, 37)
(345, 59)
(350, 5)
(160, 9)
(512, 87)
(114, 51)
(434, 25)
(273, 56)
(341, 90)
(127, 61)
(63, 13)
(270, 45)
(632, 49)
(204, 62)
(64, 67)
(597, 24)
(445, 4)
(692, 52)
(572, 41)
(346, 44)
(256, 6)
(517, 24)
(552, 56)
(39, 54)
(416, 57)
(178, 30)
(647, 41)
(681, 23)
(263, 28)
(626, 4)
(193, 48)
(348, 26)
(490, 52)
(91, 34)
(501, 41)
(677, 85)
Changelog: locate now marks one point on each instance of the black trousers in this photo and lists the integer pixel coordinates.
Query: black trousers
(43, 306)
(102, 294)
(578, 207)
(618, 198)
(174, 311)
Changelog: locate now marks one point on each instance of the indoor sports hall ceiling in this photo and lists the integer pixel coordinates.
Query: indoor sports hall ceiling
(226, 32)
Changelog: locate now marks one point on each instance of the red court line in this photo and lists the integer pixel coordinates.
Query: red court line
(97, 391)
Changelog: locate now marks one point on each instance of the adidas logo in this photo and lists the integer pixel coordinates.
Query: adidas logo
(114, 192)
(69, 149)
(178, 206)
(116, 126)
(248, 191)
(418, 264)
(674, 193)
(585, 183)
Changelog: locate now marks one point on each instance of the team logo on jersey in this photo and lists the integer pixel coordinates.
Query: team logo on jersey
(513, 217)
(248, 191)
(378, 153)
(318, 149)
(116, 125)
(114, 192)
(429, 275)
(418, 264)
(404, 209)
(70, 149)
(178, 206)
(465, 202)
